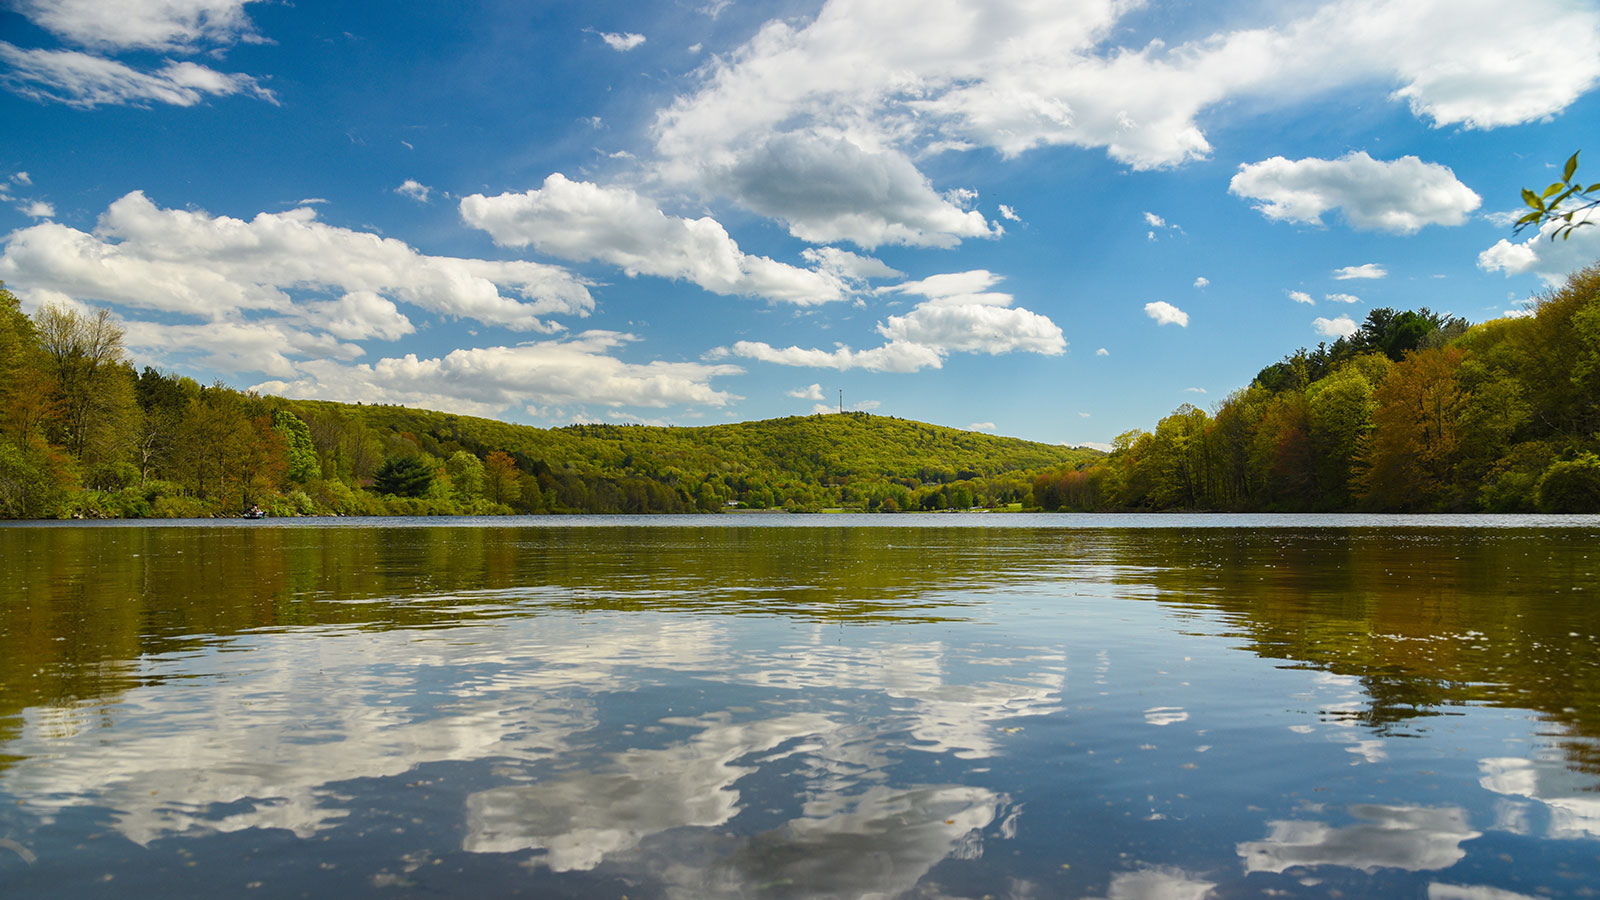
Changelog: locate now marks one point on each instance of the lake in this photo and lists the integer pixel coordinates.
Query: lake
(931, 706)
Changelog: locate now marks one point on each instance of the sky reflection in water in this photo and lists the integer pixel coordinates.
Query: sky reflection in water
(798, 712)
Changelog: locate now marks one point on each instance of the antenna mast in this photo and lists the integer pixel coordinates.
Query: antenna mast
(841, 401)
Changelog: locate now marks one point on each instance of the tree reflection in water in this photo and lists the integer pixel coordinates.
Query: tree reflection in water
(812, 711)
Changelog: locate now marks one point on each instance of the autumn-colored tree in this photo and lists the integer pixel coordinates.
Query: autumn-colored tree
(1414, 450)
(1282, 455)
(262, 462)
(500, 483)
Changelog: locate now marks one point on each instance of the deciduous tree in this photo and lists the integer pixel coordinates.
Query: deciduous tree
(500, 482)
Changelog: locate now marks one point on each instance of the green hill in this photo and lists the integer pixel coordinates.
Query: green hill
(85, 434)
(852, 460)
(824, 449)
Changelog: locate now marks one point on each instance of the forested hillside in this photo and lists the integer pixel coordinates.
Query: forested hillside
(86, 434)
(1415, 412)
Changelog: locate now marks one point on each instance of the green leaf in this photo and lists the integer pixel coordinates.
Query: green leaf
(1528, 219)
(1572, 166)
(1554, 189)
(1532, 199)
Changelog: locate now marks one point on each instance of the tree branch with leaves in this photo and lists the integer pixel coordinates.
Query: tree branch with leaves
(1548, 206)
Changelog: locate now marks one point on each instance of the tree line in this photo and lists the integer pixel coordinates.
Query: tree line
(84, 433)
(1416, 411)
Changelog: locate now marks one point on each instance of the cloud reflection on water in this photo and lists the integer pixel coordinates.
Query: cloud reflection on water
(284, 736)
(1573, 807)
(1414, 838)
(577, 819)
(876, 843)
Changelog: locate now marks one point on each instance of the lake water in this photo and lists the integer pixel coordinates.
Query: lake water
(1172, 707)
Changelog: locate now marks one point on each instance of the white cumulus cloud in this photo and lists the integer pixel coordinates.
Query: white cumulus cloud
(38, 209)
(1166, 314)
(849, 266)
(193, 263)
(810, 392)
(981, 426)
(1341, 298)
(283, 280)
(1202, 281)
(1302, 297)
(828, 188)
(579, 220)
(960, 315)
(1399, 196)
(1342, 326)
(489, 380)
(359, 315)
(1102, 352)
(1367, 270)
(1551, 260)
(975, 328)
(268, 346)
(414, 189)
(815, 119)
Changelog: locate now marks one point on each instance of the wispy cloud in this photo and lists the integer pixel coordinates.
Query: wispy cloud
(81, 80)
(1368, 270)
(621, 42)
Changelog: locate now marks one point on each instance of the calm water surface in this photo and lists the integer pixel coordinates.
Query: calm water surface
(774, 706)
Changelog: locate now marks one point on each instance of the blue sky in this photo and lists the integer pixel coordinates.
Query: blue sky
(1057, 221)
